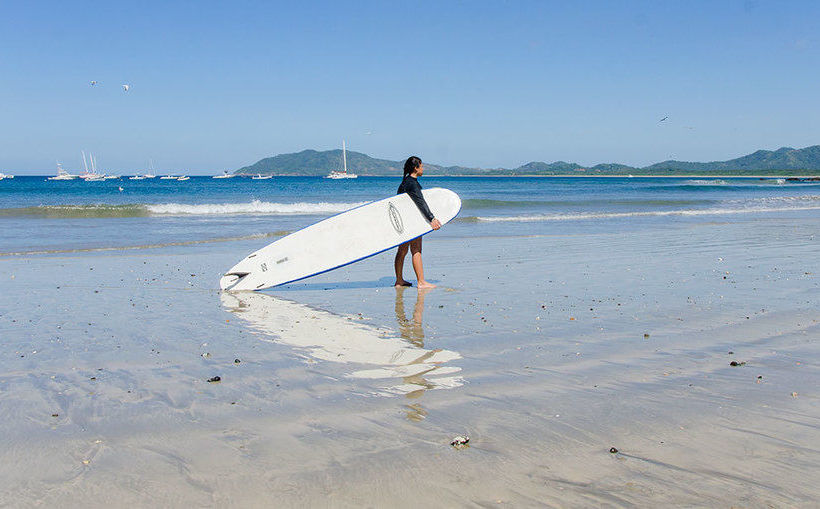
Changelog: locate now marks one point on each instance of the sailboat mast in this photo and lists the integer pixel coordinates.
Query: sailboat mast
(85, 165)
(344, 155)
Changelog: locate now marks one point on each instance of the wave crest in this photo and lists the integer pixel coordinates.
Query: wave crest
(255, 207)
(103, 210)
(653, 213)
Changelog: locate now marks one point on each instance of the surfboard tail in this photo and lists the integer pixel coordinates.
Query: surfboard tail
(231, 279)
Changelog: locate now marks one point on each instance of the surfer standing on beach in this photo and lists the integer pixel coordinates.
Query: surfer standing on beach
(413, 169)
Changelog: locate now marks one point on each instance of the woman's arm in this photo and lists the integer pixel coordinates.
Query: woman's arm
(414, 190)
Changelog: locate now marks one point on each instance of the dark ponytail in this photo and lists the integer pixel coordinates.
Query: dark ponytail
(411, 165)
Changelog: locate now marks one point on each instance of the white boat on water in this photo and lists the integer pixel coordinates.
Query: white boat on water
(259, 176)
(6, 176)
(91, 176)
(225, 175)
(137, 177)
(184, 177)
(169, 177)
(150, 174)
(62, 174)
(342, 174)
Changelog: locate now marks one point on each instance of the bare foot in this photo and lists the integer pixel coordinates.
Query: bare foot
(402, 283)
(425, 284)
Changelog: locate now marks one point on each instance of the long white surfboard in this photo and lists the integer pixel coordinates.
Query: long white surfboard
(339, 240)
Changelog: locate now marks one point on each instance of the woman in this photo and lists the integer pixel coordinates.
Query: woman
(413, 169)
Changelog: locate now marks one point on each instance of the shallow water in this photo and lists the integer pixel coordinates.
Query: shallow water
(40, 215)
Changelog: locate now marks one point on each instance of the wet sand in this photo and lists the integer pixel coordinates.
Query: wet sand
(545, 350)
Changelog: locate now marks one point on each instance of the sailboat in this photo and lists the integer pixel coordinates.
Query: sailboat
(342, 174)
(62, 174)
(150, 174)
(92, 176)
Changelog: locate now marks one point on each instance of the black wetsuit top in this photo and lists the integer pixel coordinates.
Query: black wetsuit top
(411, 186)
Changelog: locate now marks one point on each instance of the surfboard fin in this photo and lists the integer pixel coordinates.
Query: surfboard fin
(231, 279)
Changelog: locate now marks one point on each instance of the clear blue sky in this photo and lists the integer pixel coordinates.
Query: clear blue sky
(220, 85)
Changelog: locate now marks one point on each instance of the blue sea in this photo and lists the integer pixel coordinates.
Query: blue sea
(38, 216)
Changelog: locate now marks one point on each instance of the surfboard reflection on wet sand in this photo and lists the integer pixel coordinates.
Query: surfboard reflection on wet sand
(373, 353)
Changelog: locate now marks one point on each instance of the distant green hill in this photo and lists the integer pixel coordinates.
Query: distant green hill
(784, 161)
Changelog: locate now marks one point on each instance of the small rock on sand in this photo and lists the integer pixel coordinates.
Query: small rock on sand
(215, 379)
(613, 450)
(460, 441)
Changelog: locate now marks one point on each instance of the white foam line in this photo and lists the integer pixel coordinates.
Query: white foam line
(655, 213)
(254, 207)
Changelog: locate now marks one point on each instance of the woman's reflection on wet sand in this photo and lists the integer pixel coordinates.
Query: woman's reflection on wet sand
(372, 353)
(412, 329)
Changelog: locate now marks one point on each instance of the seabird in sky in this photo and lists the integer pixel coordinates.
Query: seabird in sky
(93, 82)
(661, 120)
(126, 87)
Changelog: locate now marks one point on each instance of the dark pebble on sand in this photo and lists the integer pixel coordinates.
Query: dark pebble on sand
(55, 415)
(735, 363)
(646, 336)
(613, 450)
(731, 352)
(215, 379)
(236, 361)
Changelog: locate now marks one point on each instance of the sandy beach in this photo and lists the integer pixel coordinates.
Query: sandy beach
(547, 350)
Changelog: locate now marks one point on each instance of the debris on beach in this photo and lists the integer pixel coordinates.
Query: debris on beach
(215, 379)
(735, 363)
(460, 442)
(205, 355)
(236, 361)
(794, 394)
(646, 335)
(613, 450)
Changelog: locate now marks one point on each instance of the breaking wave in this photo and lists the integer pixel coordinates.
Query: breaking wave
(652, 213)
(254, 207)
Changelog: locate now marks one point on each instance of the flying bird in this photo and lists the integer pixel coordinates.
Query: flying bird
(93, 82)
(661, 120)
(126, 88)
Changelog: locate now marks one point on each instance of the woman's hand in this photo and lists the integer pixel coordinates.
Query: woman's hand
(435, 224)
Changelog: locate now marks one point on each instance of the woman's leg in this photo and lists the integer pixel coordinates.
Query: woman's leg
(399, 264)
(415, 250)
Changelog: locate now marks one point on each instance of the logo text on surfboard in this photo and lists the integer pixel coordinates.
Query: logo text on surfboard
(395, 218)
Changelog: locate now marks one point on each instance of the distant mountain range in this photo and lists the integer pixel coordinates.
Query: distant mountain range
(784, 161)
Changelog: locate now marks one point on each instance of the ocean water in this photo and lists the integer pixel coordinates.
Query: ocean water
(41, 216)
